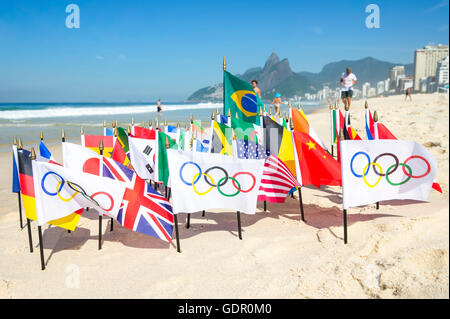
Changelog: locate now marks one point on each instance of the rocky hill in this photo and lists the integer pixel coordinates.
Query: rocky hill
(277, 76)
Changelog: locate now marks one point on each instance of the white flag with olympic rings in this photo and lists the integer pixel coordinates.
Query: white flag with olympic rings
(60, 191)
(378, 170)
(202, 181)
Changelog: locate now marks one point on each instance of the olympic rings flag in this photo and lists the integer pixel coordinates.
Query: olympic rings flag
(379, 170)
(202, 181)
(60, 191)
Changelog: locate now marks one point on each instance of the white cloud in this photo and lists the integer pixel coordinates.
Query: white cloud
(99, 57)
(440, 5)
(317, 30)
(442, 28)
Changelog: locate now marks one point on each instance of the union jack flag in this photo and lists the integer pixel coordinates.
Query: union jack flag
(143, 209)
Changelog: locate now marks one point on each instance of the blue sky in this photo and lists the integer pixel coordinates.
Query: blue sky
(144, 50)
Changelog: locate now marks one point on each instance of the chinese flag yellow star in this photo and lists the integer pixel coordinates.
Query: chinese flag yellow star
(311, 145)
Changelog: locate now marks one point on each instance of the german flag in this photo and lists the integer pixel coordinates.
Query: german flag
(29, 203)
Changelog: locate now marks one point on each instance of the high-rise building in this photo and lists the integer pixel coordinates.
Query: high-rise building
(426, 60)
(442, 72)
(387, 84)
(365, 89)
(396, 72)
(405, 82)
(380, 87)
(371, 92)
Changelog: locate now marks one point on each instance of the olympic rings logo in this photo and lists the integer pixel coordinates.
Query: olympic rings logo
(77, 190)
(378, 170)
(220, 183)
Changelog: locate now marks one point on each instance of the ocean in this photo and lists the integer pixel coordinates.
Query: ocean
(27, 120)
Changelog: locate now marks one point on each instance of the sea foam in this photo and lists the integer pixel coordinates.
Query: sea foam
(52, 112)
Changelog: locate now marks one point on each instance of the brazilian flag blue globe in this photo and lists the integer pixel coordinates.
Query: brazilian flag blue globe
(240, 99)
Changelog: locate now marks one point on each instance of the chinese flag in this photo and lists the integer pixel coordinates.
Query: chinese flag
(384, 133)
(317, 166)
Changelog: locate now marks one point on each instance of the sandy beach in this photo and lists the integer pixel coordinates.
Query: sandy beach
(398, 251)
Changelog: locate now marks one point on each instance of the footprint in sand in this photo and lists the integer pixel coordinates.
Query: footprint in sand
(5, 289)
(325, 236)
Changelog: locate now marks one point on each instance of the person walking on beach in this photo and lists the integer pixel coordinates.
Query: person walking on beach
(348, 79)
(408, 94)
(159, 110)
(256, 88)
(277, 102)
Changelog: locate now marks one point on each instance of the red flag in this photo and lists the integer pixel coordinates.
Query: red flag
(317, 166)
(384, 133)
(143, 132)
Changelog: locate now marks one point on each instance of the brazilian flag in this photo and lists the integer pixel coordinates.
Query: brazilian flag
(221, 139)
(240, 99)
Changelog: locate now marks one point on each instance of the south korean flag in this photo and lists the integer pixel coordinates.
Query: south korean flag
(142, 153)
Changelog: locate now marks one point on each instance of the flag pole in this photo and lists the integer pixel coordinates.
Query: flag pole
(101, 148)
(375, 119)
(341, 138)
(175, 216)
(331, 121)
(239, 225)
(262, 128)
(30, 238)
(18, 193)
(41, 246)
(300, 198)
(177, 235)
(63, 139)
(290, 124)
(224, 69)
(188, 221)
(100, 216)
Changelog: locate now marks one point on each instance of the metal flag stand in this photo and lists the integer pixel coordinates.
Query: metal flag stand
(19, 192)
(375, 119)
(63, 139)
(341, 138)
(300, 198)
(261, 121)
(100, 217)
(41, 246)
(331, 120)
(239, 225)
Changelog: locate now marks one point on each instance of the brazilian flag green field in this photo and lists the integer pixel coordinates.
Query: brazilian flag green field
(240, 99)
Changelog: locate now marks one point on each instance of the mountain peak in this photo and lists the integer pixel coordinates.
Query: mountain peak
(271, 61)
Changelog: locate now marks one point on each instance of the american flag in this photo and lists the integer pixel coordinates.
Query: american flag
(143, 209)
(250, 150)
(276, 181)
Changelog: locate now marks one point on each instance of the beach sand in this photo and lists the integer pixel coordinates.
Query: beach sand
(398, 251)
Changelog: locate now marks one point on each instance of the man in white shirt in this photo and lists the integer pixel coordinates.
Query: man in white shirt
(348, 79)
